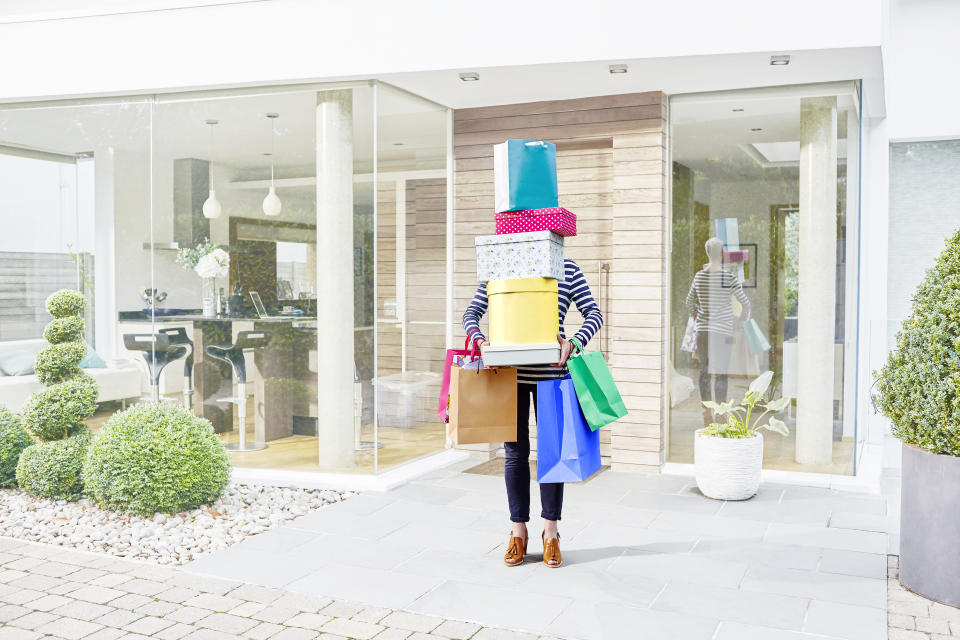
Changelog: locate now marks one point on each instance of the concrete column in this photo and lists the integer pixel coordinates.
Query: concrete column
(334, 265)
(817, 279)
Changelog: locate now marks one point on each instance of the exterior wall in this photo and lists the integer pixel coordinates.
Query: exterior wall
(610, 156)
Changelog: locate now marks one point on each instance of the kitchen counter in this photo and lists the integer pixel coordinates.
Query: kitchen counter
(302, 321)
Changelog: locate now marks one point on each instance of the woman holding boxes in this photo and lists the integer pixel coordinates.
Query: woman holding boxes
(573, 288)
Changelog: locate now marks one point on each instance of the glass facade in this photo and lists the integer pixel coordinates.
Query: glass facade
(764, 231)
(330, 205)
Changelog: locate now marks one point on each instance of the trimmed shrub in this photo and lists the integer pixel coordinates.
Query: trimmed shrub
(919, 387)
(13, 440)
(155, 458)
(66, 302)
(66, 329)
(52, 413)
(54, 469)
(60, 361)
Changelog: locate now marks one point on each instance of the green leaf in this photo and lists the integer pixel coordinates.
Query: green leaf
(778, 405)
(761, 383)
(777, 426)
(710, 404)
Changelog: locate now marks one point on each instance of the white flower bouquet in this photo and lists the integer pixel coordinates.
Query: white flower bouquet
(215, 264)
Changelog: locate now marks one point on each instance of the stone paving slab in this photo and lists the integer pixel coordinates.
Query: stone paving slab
(145, 604)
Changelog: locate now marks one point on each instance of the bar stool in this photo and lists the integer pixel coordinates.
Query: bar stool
(178, 336)
(158, 352)
(233, 355)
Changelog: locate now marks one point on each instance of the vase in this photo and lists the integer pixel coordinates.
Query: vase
(210, 297)
(727, 468)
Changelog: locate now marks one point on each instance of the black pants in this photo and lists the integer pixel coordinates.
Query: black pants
(517, 466)
(713, 351)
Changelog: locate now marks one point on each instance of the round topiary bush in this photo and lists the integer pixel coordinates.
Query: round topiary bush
(60, 361)
(66, 302)
(54, 412)
(919, 387)
(54, 469)
(13, 440)
(155, 458)
(66, 329)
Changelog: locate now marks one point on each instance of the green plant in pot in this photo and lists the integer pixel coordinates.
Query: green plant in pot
(919, 391)
(728, 455)
(51, 468)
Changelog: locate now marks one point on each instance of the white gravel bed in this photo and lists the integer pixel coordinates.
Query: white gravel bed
(244, 510)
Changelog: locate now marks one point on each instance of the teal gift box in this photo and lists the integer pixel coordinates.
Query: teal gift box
(525, 175)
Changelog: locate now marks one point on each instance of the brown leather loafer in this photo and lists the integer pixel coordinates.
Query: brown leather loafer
(551, 551)
(516, 549)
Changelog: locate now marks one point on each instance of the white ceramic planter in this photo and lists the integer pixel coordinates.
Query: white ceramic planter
(728, 468)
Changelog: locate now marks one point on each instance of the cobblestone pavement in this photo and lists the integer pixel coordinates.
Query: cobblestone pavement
(49, 592)
(913, 617)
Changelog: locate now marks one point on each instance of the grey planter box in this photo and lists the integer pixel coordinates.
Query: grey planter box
(930, 525)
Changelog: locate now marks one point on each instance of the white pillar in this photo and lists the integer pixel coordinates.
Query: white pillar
(335, 423)
(105, 249)
(817, 279)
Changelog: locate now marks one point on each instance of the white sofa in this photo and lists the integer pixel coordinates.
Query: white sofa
(118, 381)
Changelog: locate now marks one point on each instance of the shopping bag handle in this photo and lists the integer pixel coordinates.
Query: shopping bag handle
(473, 350)
(535, 143)
(577, 349)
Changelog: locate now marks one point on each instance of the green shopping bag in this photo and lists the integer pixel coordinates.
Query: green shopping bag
(756, 342)
(597, 392)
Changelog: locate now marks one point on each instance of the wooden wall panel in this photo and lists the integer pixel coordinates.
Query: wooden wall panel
(610, 167)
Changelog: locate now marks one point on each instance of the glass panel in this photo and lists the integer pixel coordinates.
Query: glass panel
(74, 198)
(411, 274)
(762, 185)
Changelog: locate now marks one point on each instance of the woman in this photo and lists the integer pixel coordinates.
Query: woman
(710, 302)
(574, 288)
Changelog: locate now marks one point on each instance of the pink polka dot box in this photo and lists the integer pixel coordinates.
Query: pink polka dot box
(556, 219)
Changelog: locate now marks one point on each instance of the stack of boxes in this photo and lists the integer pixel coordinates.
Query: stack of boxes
(522, 264)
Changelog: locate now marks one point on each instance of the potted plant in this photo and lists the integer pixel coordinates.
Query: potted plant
(919, 390)
(728, 456)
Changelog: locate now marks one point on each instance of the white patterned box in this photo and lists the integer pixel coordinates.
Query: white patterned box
(535, 254)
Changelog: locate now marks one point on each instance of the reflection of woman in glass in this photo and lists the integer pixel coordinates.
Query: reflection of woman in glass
(710, 301)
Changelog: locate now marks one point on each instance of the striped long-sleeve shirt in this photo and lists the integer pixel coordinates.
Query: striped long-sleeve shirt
(709, 300)
(574, 288)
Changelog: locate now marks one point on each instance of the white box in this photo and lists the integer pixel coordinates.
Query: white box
(533, 254)
(513, 355)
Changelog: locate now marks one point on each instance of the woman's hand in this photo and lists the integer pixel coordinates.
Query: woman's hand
(566, 348)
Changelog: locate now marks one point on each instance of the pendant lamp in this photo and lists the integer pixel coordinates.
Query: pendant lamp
(271, 204)
(211, 206)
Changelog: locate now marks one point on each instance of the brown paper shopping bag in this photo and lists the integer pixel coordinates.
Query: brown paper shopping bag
(483, 405)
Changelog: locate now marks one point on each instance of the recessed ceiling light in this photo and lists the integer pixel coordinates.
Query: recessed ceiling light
(737, 110)
(618, 68)
(779, 61)
(756, 129)
(469, 76)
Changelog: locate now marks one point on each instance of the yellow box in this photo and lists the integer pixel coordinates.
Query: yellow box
(523, 311)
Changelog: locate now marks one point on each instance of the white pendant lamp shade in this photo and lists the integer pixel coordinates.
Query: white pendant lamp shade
(211, 206)
(271, 204)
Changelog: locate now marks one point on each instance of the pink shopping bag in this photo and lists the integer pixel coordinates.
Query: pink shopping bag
(445, 384)
(556, 219)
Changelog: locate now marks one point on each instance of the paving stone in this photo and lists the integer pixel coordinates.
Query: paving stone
(372, 614)
(304, 602)
(177, 594)
(12, 633)
(247, 609)
(213, 602)
(118, 618)
(156, 608)
(490, 633)
(456, 630)
(69, 628)
(148, 625)
(208, 634)
(275, 615)
(36, 581)
(255, 593)
(66, 587)
(420, 635)
(291, 633)
(49, 602)
(34, 619)
(107, 633)
(331, 636)
(908, 608)
(352, 628)
(933, 625)
(342, 609)
(411, 621)
(900, 621)
(110, 580)
(143, 586)
(204, 584)
(903, 634)
(21, 596)
(86, 575)
(130, 601)
(151, 572)
(393, 634)
(188, 615)
(6, 575)
(54, 569)
(944, 612)
(308, 620)
(227, 623)
(175, 632)
(10, 612)
(263, 631)
(97, 594)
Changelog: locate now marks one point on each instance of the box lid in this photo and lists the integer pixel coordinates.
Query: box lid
(517, 285)
(529, 213)
(527, 236)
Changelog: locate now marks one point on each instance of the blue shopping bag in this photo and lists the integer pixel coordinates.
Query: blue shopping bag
(524, 175)
(757, 343)
(567, 449)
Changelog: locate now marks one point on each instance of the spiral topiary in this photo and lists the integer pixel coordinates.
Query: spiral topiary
(919, 386)
(52, 467)
(13, 440)
(155, 458)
